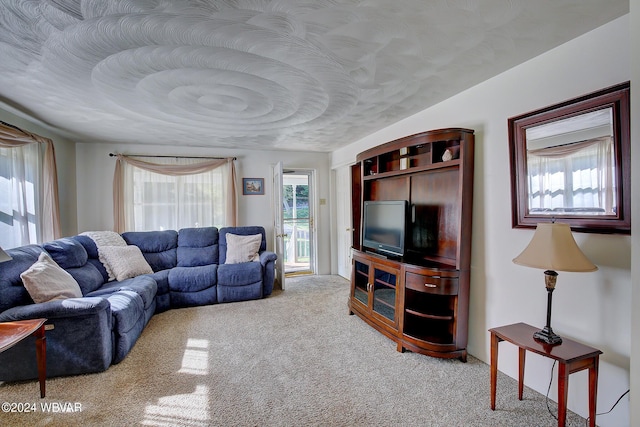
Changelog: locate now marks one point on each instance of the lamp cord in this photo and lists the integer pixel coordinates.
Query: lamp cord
(614, 405)
(587, 420)
(549, 389)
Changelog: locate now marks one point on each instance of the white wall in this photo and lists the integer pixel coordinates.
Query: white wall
(65, 161)
(95, 187)
(593, 308)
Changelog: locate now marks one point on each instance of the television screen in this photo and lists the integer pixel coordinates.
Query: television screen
(384, 225)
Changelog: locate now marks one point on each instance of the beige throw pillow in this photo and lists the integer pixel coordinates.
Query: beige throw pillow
(125, 261)
(102, 239)
(46, 281)
(243, 248)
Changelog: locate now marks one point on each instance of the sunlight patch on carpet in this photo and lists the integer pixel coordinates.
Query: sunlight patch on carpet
(195, 359)
(180, 409)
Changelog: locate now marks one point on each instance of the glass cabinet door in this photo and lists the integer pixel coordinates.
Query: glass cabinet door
(361, 282)
(384, 293)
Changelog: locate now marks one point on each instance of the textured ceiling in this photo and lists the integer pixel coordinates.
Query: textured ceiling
(284, 74)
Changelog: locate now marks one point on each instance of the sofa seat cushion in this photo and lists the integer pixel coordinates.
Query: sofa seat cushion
(239, 274)
(127, 310)
(144, 286)
(192, 279)
(197, 246)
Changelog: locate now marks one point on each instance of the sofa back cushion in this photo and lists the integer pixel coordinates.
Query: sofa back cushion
(66, 252)
(72, 255)
(93, 258)
(240, 231)
(12, 291)
(158, 247)
(197, 246)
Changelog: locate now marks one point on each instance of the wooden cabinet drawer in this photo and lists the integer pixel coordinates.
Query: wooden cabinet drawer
(431, 284)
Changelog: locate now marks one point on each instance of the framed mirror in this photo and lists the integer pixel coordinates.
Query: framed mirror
(571, 162)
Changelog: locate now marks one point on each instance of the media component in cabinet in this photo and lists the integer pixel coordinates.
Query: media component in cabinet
(384, 226)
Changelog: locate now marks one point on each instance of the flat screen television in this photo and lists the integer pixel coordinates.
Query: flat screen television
(384, 226)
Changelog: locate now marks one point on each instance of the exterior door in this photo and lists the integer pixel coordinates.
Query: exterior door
(278, 225)
(298, 220)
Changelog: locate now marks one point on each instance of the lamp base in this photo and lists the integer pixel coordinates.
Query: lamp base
(547, 336)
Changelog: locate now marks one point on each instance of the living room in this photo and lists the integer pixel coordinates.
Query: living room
(593, 308)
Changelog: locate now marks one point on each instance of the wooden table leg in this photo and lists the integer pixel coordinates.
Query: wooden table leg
(593, 391)
(563, 389)
(494, 368)
(41, 358)
(521, 359)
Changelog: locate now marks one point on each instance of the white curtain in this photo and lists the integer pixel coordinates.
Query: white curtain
(574, 176)
(29, 207)
(154, 193)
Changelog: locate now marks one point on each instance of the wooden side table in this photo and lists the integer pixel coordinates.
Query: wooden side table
(571, 356)
(12, 333)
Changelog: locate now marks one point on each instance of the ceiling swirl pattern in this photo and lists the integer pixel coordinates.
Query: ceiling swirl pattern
(284, 74)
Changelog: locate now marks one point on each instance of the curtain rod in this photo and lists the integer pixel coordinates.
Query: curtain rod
(174, 157)
(11, 126)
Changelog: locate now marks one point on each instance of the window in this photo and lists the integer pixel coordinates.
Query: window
(20, 190)
(156, 201)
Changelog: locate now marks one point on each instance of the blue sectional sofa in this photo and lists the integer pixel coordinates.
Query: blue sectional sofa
(89, 333)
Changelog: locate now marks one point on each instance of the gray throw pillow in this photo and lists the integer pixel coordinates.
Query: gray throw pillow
(46, 281)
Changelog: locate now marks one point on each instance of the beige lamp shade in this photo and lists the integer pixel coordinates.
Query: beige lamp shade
(4, 256)
(554, 248)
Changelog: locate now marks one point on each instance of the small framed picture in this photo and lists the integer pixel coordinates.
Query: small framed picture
(252, 186)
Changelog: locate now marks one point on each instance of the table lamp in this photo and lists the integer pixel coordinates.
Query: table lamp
(4, 256)
(553, 249)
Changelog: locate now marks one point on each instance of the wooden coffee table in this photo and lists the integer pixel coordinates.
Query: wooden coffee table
(12, 333)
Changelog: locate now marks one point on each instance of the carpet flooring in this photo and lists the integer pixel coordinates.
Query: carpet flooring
(294, 359)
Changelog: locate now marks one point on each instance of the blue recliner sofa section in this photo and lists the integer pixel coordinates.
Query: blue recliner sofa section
(90, 333)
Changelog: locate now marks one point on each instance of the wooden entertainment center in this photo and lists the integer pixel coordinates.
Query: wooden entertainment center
(420, 300)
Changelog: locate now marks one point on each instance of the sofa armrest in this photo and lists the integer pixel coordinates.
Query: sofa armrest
(268, 261)
(266, 257)
(57, 309)
(79, 339)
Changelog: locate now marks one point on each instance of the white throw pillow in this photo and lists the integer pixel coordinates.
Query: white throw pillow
(102, 239)
(46, 281)
(125, 261)
(243, 248)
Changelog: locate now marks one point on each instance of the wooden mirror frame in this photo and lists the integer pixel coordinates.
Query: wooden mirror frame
(615, 97)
